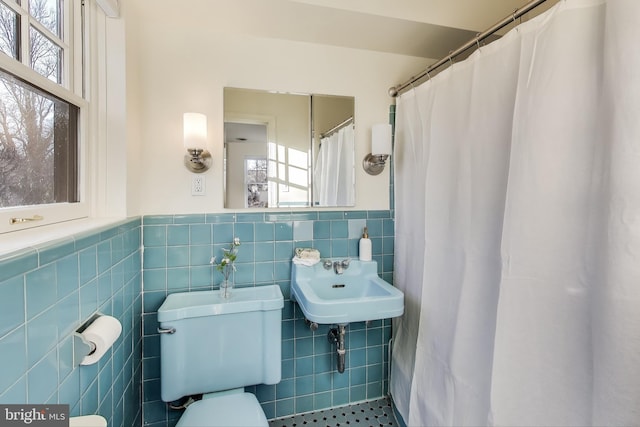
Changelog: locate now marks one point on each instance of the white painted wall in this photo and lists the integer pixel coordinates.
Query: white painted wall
(178, 60)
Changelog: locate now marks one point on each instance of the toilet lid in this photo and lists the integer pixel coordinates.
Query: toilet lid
(241, 410)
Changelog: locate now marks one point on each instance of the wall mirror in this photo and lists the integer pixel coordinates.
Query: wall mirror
(285, 150)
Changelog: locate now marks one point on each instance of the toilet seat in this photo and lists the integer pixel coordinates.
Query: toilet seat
(228, 410)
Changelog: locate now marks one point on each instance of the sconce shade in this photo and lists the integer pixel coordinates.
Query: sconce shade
(198, 159)
(195, 131)
(373, 163)
(381, 139)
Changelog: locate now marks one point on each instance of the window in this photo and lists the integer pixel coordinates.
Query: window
(32, 33)
(40, 113)
(38, 146)
(256, 182)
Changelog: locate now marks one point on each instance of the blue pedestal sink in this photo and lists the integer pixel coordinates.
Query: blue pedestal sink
(356, 295)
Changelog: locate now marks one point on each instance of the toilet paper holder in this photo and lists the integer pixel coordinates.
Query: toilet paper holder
(81, 347)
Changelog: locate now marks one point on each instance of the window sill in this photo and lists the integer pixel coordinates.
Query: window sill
(38, 236)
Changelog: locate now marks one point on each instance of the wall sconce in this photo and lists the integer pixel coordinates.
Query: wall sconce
(374, 162)
(195, 142)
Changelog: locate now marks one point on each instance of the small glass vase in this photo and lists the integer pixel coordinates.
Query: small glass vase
(225, 288)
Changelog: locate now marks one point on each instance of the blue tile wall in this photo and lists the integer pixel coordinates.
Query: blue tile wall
(47, 293)
(177, 250)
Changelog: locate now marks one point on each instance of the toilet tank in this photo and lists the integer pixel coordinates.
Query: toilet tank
(220, 344)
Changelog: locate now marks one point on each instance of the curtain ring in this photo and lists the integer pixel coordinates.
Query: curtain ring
(514, 15)
(450, 59)
(478, 40)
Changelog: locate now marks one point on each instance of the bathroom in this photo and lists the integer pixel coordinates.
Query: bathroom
(148, 236)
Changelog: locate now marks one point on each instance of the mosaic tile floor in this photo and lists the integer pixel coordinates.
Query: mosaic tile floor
(376, 413)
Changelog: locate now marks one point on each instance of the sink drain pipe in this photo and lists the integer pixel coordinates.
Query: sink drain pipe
(312, 325)
(336, 336)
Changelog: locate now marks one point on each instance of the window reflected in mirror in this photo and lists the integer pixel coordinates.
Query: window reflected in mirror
(257, 184)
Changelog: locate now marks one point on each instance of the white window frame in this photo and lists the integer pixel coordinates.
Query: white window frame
(69, 91)
(246, 176)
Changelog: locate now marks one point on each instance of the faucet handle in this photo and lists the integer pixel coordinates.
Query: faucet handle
(345, 263)
(327, 264)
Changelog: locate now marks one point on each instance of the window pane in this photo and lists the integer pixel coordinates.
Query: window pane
(46, 56)
(47, 12)
(38, 146)
(257, 185)
(9, 31)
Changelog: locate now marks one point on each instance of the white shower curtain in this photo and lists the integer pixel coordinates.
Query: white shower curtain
(518, 228)
(333, 173)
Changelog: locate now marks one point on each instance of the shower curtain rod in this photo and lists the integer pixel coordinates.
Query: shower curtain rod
(336, 127)
(395, 90)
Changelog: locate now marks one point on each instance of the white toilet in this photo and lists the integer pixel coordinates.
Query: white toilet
(216, 347)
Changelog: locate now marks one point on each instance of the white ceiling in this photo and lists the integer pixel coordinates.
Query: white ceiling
(245, 132)
(422, 28)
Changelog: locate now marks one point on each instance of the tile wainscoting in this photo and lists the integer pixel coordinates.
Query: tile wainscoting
(177, 251)
(48, 291)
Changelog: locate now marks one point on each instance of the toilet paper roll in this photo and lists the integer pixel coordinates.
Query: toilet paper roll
(103, 332)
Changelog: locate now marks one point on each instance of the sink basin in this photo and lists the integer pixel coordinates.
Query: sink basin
(356, 295)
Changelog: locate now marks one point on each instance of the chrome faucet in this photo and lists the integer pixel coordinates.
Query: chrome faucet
(340, 266)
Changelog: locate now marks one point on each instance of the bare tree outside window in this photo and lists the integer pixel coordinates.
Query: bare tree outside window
(37, 146)
(8, 31)
(48, 13)
(257, 185)
(45, 55)
(38, 131)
